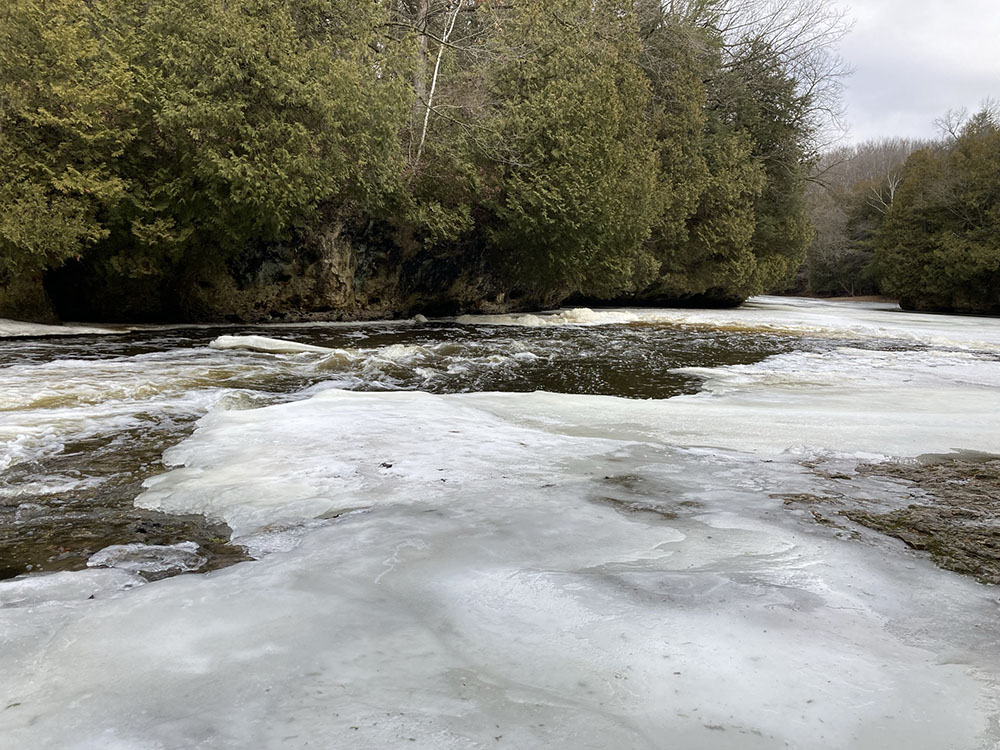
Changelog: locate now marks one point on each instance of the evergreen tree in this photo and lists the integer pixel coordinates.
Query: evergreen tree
(677, 57)
(939, 248)
(764, 102)
(250, 115)
(572, 204)
(610, 148)
(733, 131)
(715, 262)
(65, 124)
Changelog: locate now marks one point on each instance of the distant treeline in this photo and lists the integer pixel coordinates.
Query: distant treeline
(610, 149)
(918, 220)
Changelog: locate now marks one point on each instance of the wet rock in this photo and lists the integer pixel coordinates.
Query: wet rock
(50, 533)
(957, 520)
(947, 506)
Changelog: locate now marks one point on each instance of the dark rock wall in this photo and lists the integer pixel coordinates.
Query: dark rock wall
(325, 276)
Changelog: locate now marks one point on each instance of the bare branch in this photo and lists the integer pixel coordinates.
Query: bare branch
(434, 79)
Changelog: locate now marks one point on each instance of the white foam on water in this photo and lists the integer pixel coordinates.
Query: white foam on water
(391, 366)
(45, 406)
(82, 382)
(400, 352)
(18, 328)
(579, 316)
(42, 433)
(789, 315)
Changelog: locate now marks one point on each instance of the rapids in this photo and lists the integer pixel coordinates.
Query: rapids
(559, 530)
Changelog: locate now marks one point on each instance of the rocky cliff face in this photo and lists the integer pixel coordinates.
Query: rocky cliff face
(367, 274)
(23, 297)
(326, 276)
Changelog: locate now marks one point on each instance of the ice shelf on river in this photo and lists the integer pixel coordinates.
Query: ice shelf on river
(540, 570)
(11, 328)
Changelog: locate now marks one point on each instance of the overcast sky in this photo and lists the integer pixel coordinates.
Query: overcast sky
(915, 59)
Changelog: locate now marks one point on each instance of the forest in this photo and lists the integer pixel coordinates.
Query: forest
(916, 220)
(297, 159)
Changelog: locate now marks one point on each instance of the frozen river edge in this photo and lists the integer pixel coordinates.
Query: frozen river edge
(544, 570)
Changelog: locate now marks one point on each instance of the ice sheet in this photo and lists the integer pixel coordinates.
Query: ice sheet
(537, 571)
(547, 617)
(854, 402)
(149, 558)
(342, 450)
(554, 590)
(79, 586)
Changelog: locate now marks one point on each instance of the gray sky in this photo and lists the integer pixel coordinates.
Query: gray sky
(915, 59)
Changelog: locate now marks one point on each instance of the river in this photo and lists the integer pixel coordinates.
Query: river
(577, 529)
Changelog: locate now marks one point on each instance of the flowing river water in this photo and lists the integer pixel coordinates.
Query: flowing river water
(570, 530)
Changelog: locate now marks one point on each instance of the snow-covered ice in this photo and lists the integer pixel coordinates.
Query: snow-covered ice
(539, 570)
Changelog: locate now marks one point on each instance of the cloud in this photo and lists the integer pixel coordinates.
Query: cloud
(915, 60)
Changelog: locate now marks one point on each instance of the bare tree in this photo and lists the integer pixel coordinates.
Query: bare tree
(437, 29)
(953, 122)
(803, 36)
(852, 188)
(950, 124)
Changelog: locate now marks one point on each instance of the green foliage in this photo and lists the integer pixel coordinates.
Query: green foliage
(676, 58)
(732, 135)
(939, 248)
(573, 203)
(716, 258)
(250, 113)
(167, 131)
(64, 124)
(433, 208)
(764, 103)
(610, 148)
